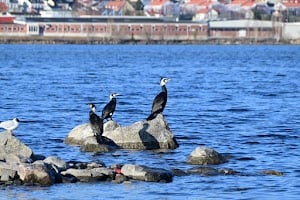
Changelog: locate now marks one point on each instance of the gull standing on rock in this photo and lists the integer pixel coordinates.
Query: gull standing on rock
(160, 100)
(10, 125)
(110, 107)
(96, 123)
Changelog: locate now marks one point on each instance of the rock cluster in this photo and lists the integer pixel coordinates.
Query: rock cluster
(19, 165)
(152, 134)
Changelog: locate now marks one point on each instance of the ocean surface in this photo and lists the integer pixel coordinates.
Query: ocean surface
(243, 101)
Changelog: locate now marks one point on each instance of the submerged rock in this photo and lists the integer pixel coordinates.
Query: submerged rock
(153, 134)
(272, 172)
(205, 156)
(205, 171)
(88, 175)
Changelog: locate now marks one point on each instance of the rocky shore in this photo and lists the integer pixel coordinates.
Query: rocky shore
(93, 40)
(19, 165)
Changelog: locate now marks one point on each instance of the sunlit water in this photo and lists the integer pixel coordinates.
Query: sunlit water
(240, 100)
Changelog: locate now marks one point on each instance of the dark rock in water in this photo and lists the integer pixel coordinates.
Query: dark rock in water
(88, 175)
(144, 173)
(120, 178)
(153, 134)
(272, 172)
(205, 156)
(205, 171)
(68, 178)
(228, 172)
(9, 144)
(179, 172)
(245, 158)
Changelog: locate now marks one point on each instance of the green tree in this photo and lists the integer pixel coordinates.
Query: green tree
(138, 5)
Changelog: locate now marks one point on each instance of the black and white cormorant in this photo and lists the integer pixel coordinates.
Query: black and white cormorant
(96, 123)
(110, 107)
(160, 100)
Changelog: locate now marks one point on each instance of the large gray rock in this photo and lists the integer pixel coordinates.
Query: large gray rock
(205, 156)
(148, 174)
(9, 144)
(153, 134)
(35, 174)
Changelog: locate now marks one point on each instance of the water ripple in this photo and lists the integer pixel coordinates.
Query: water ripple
(242, 101)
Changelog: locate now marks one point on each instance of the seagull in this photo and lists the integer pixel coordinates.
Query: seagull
(10, 125)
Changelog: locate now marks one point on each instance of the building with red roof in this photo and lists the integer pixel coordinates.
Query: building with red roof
(118, 7)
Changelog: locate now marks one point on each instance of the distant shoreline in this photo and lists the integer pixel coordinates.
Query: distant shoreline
(100, 41)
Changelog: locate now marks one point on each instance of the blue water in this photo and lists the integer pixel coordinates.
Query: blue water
(241, 100)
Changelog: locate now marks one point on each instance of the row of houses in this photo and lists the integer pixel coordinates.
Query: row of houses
(112, 28)
(194, 10)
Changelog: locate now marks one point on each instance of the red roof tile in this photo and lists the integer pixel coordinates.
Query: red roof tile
(291, 3)
(157, 2)
(200, 2)
(203, 10)
(115, 4)
(243, 2)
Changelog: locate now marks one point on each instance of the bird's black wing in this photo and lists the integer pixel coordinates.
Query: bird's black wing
(108, 108)
(159, 103)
